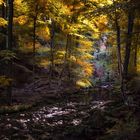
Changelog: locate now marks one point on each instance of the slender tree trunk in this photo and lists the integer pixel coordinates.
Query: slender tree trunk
(119, 49)
(3, 11)
(136, 51)
(3, 29)
(34, 43)
(119, 57)
(34, 38)
(67, 64)
(65, 59)
(131, 17)
(67, 48)
(52, 52)
(69, 55)
(52, 48)
(9, 45)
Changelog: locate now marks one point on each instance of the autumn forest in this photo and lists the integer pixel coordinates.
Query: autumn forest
(69, 70)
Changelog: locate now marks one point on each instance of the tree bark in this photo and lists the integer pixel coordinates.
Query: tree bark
(119, 57)
(65, 58)
(52, 47)
(34, 42)
(52, 52)
(34, 37)
(136, 51)
(3, 30)
(3, 11)
(131, 17)
(9, 46)
(10, 24)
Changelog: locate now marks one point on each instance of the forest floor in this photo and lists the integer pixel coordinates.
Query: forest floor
(66, 114)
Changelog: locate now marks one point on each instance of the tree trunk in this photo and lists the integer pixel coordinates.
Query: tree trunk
(69, 55)
(52, 52)
(120, 60)
(34, 38)
(119, 57)
(3, 30)
(65, 58)
(136, 51)
(9, 45)
(131, 17)
(3, 11)
(34, 43)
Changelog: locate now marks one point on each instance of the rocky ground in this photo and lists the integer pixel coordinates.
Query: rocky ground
(47, 122)
(68, 114)
(56, 115)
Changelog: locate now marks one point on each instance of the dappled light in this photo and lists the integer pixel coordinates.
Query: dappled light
(69, 69)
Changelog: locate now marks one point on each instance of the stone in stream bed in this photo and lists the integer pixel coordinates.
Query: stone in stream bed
(22, 115)
(8, 126)
(76, 121)
(16, 128)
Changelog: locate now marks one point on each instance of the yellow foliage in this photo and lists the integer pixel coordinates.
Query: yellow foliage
(44, 63)
(87, 56)
(1, 2)
(87, 67)
(88, 71)
(60, 54)
(138, 68)
(83, 63)
(101, 22)
(43, 32)
(73, 58)
(102, 3)
(17, 2)
(83, 83)
(85, 43)
(28, 48)
(42, 50)
(22, 20)
(3, 22)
